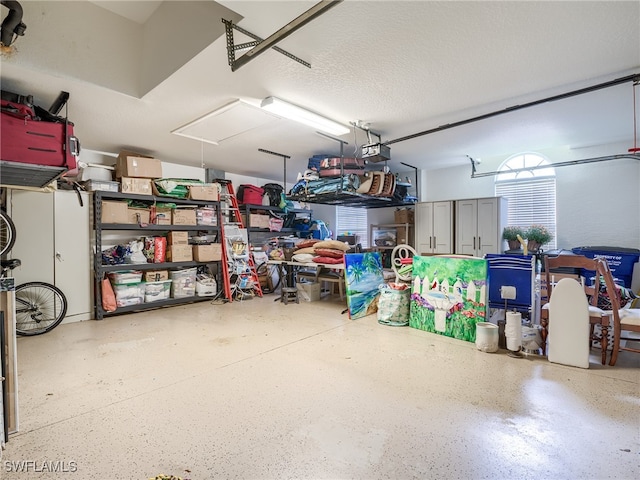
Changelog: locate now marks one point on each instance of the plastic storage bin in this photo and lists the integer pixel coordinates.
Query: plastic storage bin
(620, 260)
(205, 286)
(125, 277)
(154, 291)
(183, 282)
(128, 294)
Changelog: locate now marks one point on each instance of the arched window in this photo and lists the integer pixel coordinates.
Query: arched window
(531, 192)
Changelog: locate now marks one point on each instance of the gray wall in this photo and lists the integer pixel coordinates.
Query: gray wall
(598, 204)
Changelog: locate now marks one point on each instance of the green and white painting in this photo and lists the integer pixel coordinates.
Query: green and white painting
(449, 295)
(363, 276)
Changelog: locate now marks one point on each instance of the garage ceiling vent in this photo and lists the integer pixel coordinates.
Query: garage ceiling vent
(226, 122)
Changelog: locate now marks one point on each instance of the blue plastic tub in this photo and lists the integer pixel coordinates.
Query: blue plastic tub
(620, 260)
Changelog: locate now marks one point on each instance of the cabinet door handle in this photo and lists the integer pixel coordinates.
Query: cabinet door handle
(430, 237)
(479, 242)
(474, 243)
(58, 256)
(435, 244)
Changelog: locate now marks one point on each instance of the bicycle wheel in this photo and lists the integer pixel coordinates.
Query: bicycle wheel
(40, 307)
(7, 233)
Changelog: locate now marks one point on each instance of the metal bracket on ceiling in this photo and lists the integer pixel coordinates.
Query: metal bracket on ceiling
(260, 45)
(553, 165)
(231, 47)
(284, 158)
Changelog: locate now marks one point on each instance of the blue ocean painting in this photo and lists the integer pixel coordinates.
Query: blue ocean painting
(363, 276)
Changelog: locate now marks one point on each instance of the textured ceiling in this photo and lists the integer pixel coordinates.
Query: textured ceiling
(139, 12)
(402, 67)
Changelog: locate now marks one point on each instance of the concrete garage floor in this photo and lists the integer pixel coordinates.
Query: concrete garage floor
(259, 390)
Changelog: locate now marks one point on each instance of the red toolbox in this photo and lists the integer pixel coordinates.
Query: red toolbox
(330, 167)
(26, 139)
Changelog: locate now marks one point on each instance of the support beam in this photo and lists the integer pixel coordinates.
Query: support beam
(284, 157)
(415, 171)
(554, 165)
(629, 78)
(284, 32)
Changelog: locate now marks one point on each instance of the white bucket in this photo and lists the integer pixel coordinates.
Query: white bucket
(487, 337)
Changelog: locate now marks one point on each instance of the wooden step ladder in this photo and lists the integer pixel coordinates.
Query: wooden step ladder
(238, 266)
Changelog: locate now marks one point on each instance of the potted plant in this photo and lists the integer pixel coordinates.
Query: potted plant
(537, 235)
(510, 234)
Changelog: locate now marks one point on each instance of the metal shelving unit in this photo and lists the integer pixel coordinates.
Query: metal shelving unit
(388, 227)
(384, 249)
(248, 208)
(100, 270)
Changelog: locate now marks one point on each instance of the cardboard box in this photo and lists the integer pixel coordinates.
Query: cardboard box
(132, 164)
(179, 253)
(404, 215)
(184, 216)
(114, 212)
(163, 216)
(309, 291)
(156, 275)
(140, 186)
(178, 238)
(258, 221)
(138, 215)
(401, 236)
(207, 253)
(208, 191)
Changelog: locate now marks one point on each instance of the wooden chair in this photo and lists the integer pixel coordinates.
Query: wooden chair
(623, 319)
(597, 316)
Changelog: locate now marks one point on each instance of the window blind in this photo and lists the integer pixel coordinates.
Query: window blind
(354, 221)
(531, 201)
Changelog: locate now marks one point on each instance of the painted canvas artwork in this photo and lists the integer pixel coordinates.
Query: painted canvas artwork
(363, 276)
(449, 295)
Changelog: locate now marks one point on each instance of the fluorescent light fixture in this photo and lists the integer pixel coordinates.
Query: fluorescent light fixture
(298, 114)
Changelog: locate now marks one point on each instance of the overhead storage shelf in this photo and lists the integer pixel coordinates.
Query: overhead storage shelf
(350, 199)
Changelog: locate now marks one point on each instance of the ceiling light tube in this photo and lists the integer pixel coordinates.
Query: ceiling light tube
(298, 114)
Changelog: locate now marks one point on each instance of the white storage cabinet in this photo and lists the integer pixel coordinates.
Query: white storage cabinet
(479, 225)
(434, 227)
(53, 242)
